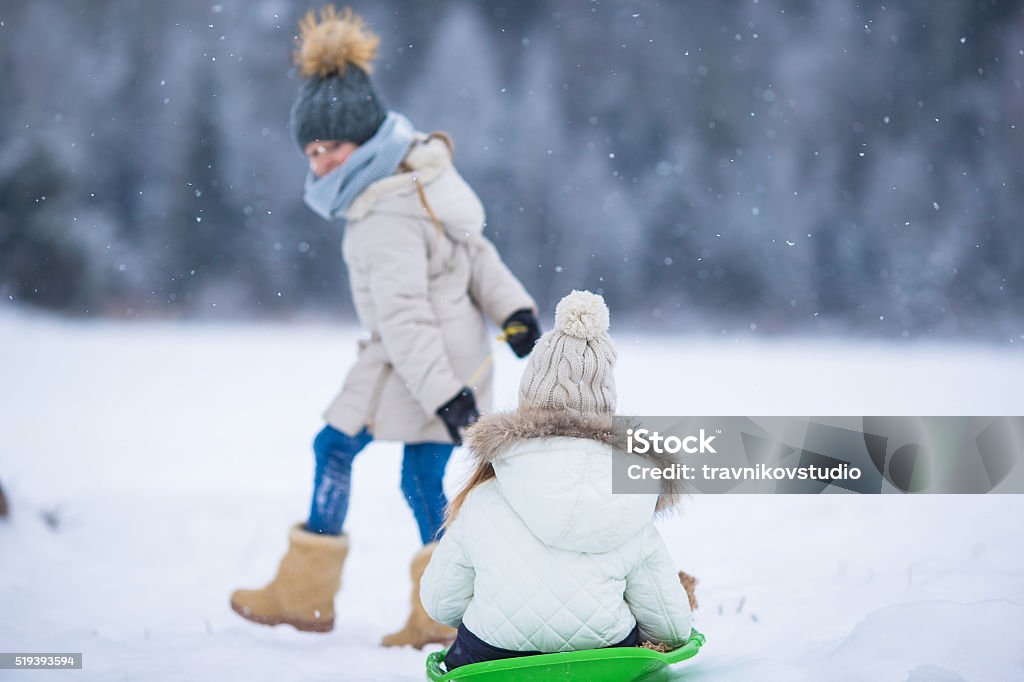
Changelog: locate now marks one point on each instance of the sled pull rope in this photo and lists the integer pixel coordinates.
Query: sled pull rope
(475, 376)
(511, 330)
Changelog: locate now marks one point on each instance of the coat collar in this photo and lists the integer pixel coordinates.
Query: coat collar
(429, 157)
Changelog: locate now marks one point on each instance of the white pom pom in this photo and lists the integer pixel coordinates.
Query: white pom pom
(582, 314)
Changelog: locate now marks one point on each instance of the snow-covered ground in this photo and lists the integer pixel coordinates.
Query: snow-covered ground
(172, 459)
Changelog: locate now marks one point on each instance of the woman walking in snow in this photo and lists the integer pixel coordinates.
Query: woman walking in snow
(540, 556)
(423, 277)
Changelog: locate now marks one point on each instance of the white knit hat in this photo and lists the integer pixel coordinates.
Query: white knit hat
(571, 366)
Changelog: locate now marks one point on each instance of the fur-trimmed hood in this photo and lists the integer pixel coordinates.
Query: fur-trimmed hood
(495, 433)
(555, 469)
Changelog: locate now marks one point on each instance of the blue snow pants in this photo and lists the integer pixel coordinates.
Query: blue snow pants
(423, 467)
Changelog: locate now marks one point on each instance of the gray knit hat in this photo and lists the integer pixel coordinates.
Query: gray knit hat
(339, 101)
(571, 366)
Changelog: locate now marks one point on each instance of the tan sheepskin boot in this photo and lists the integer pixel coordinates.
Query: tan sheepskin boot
(302, 592)
(419, 628)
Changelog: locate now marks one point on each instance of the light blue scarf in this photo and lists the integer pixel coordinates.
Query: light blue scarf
(377, 158)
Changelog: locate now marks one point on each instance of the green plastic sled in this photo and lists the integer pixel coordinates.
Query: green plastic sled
(617, 664)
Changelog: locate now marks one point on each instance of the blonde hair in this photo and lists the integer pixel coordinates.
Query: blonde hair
(484, 472)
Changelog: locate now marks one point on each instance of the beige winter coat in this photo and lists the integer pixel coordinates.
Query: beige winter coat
(421, 289)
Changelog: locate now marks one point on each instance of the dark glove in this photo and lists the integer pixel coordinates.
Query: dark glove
(521, 331)
(458, 413)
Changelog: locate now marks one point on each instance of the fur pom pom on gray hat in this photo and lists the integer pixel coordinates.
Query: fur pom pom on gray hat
(571, 367)
(339, 101)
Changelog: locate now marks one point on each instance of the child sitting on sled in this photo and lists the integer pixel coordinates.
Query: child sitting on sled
(539, 556)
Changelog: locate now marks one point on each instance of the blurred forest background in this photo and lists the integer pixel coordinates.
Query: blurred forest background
(831, 166)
